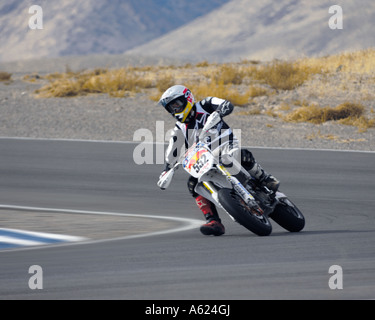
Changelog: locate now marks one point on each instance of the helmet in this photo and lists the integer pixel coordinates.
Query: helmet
(178, 101)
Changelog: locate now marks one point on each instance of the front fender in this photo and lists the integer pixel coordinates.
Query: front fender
(216, 180)
(216, 177)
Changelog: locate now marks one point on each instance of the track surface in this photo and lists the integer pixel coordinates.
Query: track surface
(334, 190)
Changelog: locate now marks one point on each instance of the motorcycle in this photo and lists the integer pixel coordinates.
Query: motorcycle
(241, 196)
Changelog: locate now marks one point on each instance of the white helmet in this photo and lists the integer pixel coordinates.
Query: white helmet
(178, 101)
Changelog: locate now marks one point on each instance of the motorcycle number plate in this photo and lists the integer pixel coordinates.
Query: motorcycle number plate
(197, 162)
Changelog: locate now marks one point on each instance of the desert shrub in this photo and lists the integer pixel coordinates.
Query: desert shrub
(360, 62)
(114, 82)
(283, 75)
(5, 76)
(257, 91)
(228, 74)
(163, 83)
(316, 114)
(202, 64)
(348, 113)
(202, 90)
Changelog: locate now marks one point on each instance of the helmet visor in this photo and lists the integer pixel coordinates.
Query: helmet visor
(176, 106)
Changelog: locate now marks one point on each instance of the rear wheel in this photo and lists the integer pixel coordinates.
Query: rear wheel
(251, 218)
(287, 215)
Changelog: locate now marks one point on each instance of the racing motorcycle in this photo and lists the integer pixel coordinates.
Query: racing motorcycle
(241, 196)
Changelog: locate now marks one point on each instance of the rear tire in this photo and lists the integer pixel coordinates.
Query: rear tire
(288, 216)
(235, 206)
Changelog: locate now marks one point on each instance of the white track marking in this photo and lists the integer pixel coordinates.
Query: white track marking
(52, 236)
(187, 224)
(165, 143)
(20, 242)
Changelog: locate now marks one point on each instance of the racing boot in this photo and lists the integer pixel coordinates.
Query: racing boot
(213, 226)
(264, 178)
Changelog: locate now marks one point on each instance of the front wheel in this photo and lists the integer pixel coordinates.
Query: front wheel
(288, 216)
(243, 214)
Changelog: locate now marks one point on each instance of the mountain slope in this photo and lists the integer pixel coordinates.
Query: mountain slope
(73, 27)
(267, 29)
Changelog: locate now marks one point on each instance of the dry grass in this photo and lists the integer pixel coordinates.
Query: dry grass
(5, 76)
(219, 89)
(230, 81)
(347, 113)
(257, 91)
(340, 76)
(358, 62)
(279, 75)
(116, 83)
(283, 75)
(362, 123)
(317, 115)
(227, 74)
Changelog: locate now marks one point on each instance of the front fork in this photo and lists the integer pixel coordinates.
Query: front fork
(246, 196)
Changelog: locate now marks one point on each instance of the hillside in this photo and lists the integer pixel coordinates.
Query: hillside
(266, 29)
(213, 30)
(91, 27)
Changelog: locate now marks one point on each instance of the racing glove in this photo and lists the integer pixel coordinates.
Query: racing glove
(165, 177)
(212, 121)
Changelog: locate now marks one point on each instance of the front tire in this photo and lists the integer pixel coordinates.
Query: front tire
(240, 211)
(288, 216)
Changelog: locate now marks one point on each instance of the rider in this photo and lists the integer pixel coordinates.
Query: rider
(191, 117)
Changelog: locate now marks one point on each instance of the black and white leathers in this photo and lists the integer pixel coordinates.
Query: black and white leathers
(185, 134)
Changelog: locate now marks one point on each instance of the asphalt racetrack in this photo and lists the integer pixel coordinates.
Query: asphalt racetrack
(334, 190)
